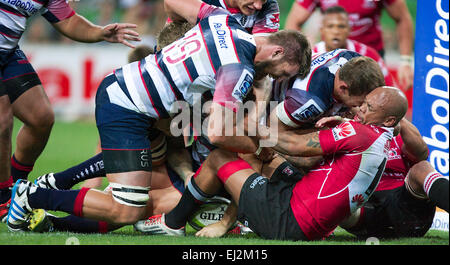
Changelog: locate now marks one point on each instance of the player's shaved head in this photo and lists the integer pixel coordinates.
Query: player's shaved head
(384, 106)
(393, 101)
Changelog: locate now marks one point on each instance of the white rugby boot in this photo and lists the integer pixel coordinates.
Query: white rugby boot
(156, 225)
(19, 209)
(46, 181)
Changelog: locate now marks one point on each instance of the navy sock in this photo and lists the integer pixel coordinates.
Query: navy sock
(191, 199)
(77, 224)
(5, 195)
(69, 201)
(19, 170)
(91, 168)
(5, 190)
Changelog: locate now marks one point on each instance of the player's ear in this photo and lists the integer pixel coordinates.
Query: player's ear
(390, 121)
(343, 88)
(277, 52)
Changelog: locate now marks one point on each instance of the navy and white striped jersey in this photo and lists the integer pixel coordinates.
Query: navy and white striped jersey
(15, 13)
(264, 21)
(304, 101)
(216, 55)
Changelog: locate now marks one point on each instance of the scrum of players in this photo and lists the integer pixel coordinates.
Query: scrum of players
(294, 144)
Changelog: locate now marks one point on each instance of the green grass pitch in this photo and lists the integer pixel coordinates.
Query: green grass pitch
(74, 142)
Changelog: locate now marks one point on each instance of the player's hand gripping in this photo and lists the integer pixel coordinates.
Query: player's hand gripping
(329, 121)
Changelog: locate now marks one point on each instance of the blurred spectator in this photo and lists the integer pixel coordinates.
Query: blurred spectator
(364, 16)
(335, 29)
(149, 15)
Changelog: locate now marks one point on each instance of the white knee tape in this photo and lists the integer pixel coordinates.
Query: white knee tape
(130, 195)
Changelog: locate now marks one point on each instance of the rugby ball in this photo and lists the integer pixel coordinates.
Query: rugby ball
(208, 213)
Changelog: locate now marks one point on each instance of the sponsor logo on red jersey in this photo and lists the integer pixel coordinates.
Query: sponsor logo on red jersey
(342, 131)
(358, 199)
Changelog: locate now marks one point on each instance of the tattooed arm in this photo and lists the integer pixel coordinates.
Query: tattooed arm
(296, 143)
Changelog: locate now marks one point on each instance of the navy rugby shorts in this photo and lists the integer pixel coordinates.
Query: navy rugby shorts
(17, 75)
(123, 133)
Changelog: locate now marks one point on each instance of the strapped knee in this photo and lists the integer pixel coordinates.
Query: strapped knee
(135, 196)
(418, 194)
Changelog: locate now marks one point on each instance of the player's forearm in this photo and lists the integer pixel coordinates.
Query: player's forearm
(296, 143)
(181, 162)
(296, 17)
(80, 29)
(413, 144)
(405, 35)
(230, 216)
(186, 10)
(238, 144)
(224, 132)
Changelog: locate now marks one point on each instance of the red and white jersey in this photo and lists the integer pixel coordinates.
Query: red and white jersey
(361, 48)
(364, 17)
(355, 157)
(15, 13)
(397, 166)
(262, 22)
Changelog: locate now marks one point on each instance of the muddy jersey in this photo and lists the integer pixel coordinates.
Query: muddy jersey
(14, 15)
(304, 101)
(355, 158)
(215, 55)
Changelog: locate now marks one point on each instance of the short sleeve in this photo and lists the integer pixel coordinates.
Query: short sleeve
(57, 10)
(310, 5)
(343, 138)
(268, 19)
(208, 10)
(233, 83)
(299, 107)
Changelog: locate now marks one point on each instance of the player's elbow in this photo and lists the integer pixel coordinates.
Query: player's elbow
(217, 140)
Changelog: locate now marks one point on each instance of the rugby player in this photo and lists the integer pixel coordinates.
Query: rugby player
(132, 98)
(366, 28)
(290, 205)
(335, 30)
(21, 91)
(404, 203)
(259, 17)
(337, 81)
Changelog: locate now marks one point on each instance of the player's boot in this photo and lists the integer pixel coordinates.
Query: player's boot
(19, 209)
(40, 221)
(46, 181)
(156, 225)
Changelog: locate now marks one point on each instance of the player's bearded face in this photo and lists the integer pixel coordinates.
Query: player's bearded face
(277, 69)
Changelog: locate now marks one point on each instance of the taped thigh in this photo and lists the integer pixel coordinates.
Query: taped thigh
(418, 195)
(135, 196)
